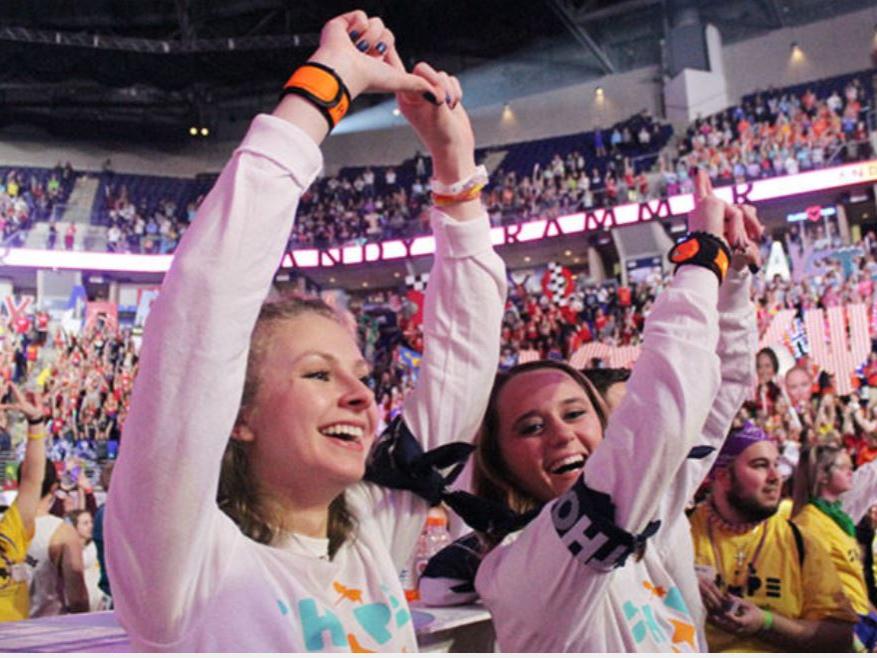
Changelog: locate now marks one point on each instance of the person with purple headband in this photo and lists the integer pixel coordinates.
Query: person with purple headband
(766, 585)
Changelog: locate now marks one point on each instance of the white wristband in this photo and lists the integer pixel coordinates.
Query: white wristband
(479, 177)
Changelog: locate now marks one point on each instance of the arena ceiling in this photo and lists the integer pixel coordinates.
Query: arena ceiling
(148, 70)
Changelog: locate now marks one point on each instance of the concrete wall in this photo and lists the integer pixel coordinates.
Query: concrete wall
(36, 150)
(832, 47)
(563, 111)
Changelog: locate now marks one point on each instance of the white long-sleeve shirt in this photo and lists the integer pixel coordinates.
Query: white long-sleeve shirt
(184, 577)
(542, 598)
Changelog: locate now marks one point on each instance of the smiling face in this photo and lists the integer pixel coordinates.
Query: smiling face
(547, 429)
(312, 419)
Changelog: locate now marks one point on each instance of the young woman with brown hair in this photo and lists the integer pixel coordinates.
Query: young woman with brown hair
(602, 558)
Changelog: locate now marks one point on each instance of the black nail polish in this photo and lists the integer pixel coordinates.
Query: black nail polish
(381, 47)
(428, 95)
(448, 99)
(354, 35)
(362, 46)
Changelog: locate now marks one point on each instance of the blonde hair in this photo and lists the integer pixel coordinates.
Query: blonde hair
(240, 495)
(815, 461)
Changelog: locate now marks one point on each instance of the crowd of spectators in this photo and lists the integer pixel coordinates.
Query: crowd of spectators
(770, 133)
(27, 198)
(135, 227)
(774, 133)
(86, 380)
(372, 206)
(89, 376)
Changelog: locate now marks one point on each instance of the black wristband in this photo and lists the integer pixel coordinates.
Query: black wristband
(37, 421)
(704, 249)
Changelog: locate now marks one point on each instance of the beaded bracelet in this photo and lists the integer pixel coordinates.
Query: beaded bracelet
(479, 176)
(447, 199)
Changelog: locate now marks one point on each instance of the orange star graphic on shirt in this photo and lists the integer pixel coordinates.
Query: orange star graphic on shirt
(660, 592)
(355, 646)
(682, 632)
(352, 595)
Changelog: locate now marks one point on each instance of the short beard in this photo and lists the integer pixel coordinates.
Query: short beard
(746, 505)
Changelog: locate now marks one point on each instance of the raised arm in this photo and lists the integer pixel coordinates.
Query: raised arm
(69, 545)
(738, 339)
(671, 394)
(462, 318)
(163, 525)
(467, 286)
(33, 467)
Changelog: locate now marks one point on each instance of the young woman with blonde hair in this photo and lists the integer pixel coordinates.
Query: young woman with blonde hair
(306, 556)
(830, 500)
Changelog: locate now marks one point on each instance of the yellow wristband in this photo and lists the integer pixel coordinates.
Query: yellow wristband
(37, 436)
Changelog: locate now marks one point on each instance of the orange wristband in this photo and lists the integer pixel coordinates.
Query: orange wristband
(468, 195)
(320, 85)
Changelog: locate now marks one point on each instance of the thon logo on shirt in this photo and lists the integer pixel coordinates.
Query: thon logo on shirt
(585, 521)
(378, 620)
(663, 620)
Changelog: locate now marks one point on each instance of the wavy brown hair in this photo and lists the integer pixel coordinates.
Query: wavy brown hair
(492, 478)
(240, 495)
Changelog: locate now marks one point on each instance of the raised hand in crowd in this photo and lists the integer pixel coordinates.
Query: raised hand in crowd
(738, 226)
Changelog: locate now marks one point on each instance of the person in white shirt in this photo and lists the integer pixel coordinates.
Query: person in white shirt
(83, 523)
(306, 556)
(604, 561)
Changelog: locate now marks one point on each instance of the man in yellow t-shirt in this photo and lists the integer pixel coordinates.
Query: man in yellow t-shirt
(766, 585)
(14, 539)
(17, 525)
